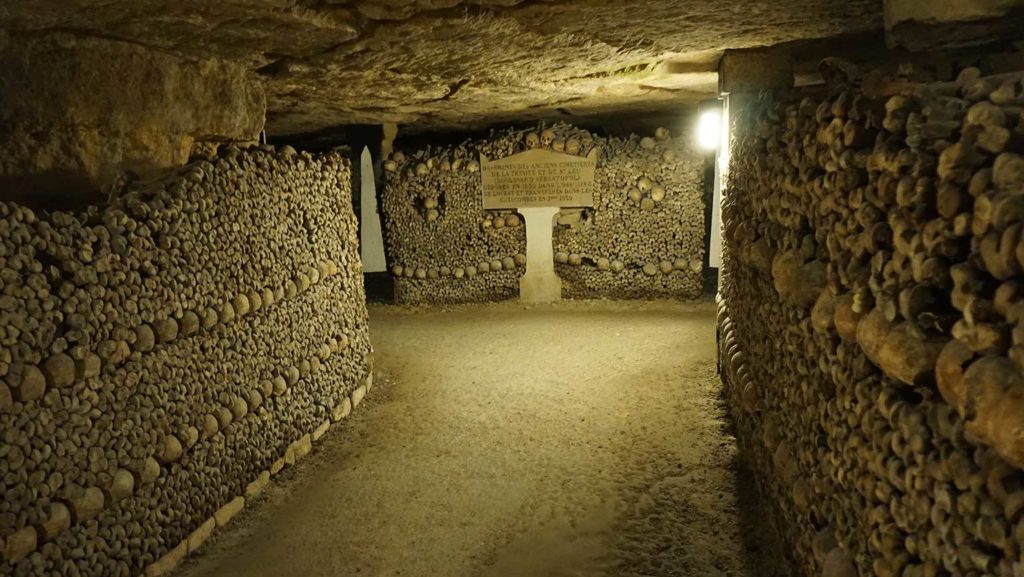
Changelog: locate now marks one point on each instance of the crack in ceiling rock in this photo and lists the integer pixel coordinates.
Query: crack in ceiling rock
(334, 62)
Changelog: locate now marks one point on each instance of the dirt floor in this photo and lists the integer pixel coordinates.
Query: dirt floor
(579, 439)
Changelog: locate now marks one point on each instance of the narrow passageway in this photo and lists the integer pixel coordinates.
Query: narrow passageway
(572, 439)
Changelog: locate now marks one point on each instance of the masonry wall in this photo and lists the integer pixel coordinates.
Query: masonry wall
(163, 356)
(643, 238)
(869, 323)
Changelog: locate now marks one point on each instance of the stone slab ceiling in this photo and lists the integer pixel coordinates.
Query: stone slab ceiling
(451, 63)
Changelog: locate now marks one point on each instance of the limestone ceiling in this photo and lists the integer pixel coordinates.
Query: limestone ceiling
(453, 63)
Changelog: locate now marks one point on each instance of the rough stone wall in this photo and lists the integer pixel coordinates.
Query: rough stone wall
(78, 112)
(869, 325)
(162, 356)
(643, 238)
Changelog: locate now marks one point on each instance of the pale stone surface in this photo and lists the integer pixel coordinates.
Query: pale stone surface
(357, 395)
(540, 284)
(168, 562)
(321, 430)
(342, 410)
(201, 534)
(258, 485)
(229, 510)
(302, 447)
(371, 239)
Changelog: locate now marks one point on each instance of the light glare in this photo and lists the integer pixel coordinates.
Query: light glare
(709, 130)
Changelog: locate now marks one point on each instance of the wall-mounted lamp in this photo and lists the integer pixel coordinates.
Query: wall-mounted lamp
(709, 130)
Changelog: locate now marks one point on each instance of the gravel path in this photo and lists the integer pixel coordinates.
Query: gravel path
(503, 441)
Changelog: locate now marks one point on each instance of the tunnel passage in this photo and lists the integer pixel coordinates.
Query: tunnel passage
(183, 312)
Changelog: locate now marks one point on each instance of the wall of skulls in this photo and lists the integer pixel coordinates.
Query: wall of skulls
(163, 356)
(643, 238)
(870, 324)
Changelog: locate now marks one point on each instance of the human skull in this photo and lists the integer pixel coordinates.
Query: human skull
(572, 146)
(668, 156)
(547, 137)
(635, 195)
(472, 166)
(657, 193)
(390, 165)
(647, 143)
(644, 184)
(398, 157)
(532, 140)
(456, 164)
(661, 133)
(558, 145)
(445, 166)
(421, 169)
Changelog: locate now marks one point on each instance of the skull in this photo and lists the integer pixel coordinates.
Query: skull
(558, 145)
(657, 193)
(421, 169)
(572, 146)
(532, 140)
(445, 166)
(669, 156)
(647, 143)
(546, 137)
(390, 165)
(456, 164)
(472, 166)
(398, 157)
(661, 133)
(644, 184)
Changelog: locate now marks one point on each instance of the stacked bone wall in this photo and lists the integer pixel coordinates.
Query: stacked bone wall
(162, 355)
(643, 238)
(870, 328)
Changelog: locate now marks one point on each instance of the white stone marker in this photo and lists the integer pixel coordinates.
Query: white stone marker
(371, 239)
(539, 182)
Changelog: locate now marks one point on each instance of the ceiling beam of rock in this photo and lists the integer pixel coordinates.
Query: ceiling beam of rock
(453, 63)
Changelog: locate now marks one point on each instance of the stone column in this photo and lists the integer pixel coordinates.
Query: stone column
(540, 284)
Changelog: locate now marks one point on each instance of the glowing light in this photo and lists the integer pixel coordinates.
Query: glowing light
(709, 130)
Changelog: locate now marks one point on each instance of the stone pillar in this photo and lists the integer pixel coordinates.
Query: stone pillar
(77, 112)
(371, 241)
(540, 284)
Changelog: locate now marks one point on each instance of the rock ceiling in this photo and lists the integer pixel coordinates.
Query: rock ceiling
(453, 63)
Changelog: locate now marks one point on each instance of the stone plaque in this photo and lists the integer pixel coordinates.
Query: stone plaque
(537, 178)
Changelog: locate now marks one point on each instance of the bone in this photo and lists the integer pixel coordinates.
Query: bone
(648, 208)
(142, 370)
(888, 407)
